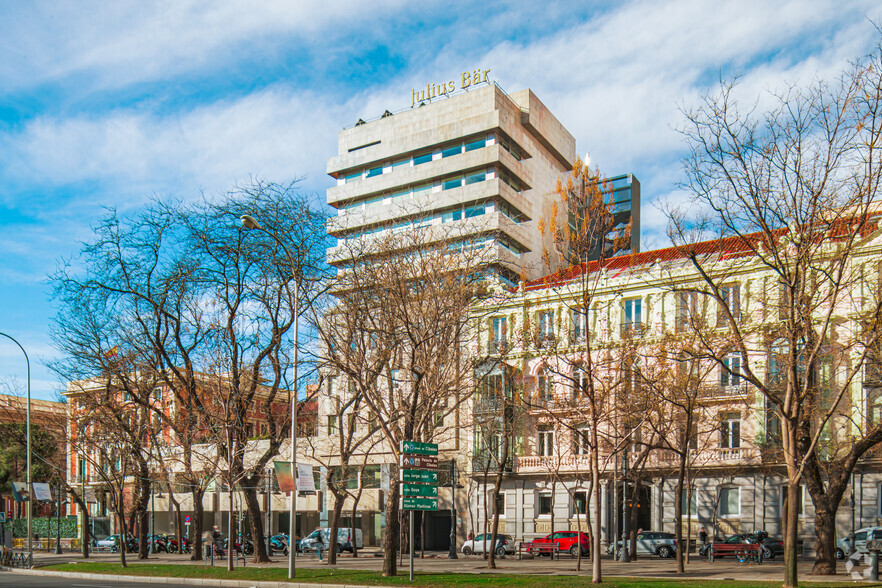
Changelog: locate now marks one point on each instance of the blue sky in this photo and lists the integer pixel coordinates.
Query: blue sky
(107, 104)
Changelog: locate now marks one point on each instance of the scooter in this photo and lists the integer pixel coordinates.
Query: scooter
(159, 543)
(173, 545)
(248, 548)
(279, 543)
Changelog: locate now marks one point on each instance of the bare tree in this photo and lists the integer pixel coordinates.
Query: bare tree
(594, 233)
(396, 329)
(187, 296)
(790, 190)
(350, 437)
(674, 385)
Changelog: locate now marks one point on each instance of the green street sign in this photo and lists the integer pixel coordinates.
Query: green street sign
(408, 503)
(419, 490)
(419, 476)
(417, 448)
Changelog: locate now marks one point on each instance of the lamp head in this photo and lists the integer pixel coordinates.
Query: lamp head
(249, 222)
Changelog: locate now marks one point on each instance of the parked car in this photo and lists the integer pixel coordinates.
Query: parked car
(322, 535)
(771, 546)
(110, 542)
(652, 543)
(861, 536)
(565, 540)
(504, 544)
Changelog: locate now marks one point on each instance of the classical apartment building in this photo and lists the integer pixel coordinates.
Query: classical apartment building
(529, 347)
(477, 169)
(89, 467)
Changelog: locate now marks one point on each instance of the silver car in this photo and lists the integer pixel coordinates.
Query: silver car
(504, 544)
(861, 536)
(652, 543)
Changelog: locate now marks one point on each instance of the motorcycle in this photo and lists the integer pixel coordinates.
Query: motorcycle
(159, 542)
(279, 543)
(174, 548)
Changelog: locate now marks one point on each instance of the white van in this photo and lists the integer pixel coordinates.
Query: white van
(323, 535)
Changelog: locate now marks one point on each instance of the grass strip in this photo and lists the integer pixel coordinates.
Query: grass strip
(373, 578)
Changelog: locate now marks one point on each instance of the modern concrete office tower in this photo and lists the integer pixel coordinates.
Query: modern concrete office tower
(484, 161)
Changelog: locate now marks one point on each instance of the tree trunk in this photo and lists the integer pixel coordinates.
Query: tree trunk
(179, 526)
(355, 501)
(339, 497)
(142, 533)
(596, 575)
(256, 522)
(198, 518)
(87, 536)
(825, 535)
(390, 538)
(791, 514)
(632, 523)
(678, 515)
(123, 536)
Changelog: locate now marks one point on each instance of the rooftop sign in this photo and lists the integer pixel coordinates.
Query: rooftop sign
(468, 78)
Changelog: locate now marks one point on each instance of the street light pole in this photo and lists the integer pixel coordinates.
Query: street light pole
(152, 519)
(250, 222)
(58, 519)
(28, 432)
(269, 507)
(453, 480)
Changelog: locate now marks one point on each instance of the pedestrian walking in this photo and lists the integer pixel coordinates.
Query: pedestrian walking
(702, 536)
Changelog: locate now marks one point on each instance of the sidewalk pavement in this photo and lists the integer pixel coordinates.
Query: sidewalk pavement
(437, 562)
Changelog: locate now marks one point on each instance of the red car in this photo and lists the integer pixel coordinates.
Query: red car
(565, 540)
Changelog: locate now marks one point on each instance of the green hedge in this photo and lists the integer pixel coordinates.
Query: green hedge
(46, 527)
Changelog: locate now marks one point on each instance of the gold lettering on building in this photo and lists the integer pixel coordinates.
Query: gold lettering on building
(467, 79)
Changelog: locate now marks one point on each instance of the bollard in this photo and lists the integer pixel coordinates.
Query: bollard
(874, 566)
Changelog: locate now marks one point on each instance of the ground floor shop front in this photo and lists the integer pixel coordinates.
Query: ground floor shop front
(722, 503)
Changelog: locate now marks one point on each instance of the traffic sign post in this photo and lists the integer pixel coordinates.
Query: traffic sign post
(411, 503)
(419, 476)
(420, 462)
(419, 483)
(419, 490)
(417, 448)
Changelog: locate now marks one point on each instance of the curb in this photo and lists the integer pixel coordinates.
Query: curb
(163, 580)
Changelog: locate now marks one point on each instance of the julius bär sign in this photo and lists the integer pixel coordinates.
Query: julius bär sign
(468, 78)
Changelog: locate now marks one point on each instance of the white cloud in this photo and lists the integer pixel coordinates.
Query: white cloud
(615, 82)
(276, 134)
(128, 41)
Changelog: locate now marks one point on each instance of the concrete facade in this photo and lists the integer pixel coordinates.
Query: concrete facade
(405, 169)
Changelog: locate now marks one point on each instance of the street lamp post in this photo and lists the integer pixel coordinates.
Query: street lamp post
(453, 480)
(251, 223)
(28, 432)
(58, 520)
(624, 554)
(152, 519)
(269, 507)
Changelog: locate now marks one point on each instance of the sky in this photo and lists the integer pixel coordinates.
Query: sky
(105, 105)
